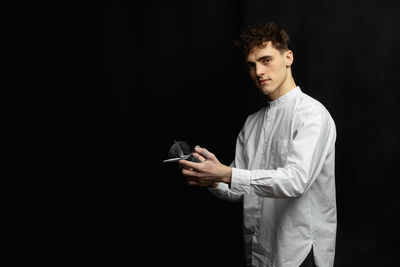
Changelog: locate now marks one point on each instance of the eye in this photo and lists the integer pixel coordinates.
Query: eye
(267, 60)
(249, 65)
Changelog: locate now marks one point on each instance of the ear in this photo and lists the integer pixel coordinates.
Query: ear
(288, 58)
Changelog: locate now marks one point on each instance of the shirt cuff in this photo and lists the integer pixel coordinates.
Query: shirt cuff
(240, 182)
(221, 186)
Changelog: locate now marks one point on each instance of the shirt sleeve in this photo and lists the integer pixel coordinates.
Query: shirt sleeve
(306, 155)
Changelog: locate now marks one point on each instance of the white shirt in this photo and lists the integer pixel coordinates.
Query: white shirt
(284, 173)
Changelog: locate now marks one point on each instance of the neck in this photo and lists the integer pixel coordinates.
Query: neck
(286, 86)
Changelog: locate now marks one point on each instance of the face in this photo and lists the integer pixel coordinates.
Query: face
(270, 70)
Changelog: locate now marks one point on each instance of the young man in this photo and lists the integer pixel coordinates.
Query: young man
(283, 169)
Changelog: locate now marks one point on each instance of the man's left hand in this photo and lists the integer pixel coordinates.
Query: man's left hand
(210, 171)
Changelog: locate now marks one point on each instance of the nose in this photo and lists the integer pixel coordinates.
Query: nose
(259, 70)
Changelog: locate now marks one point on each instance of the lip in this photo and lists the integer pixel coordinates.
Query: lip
(264, 81)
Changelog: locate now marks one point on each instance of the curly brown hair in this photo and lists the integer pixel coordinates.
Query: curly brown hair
(257, 36)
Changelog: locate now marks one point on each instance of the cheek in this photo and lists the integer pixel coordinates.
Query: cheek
(253, 75)
(277, 70)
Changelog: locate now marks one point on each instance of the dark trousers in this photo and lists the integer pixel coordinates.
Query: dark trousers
(309, 260)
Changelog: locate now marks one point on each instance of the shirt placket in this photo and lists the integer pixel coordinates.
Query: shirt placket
(269, 117)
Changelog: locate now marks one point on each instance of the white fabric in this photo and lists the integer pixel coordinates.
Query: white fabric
(284, 173)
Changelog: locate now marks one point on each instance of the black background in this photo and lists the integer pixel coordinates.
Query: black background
(167, 70)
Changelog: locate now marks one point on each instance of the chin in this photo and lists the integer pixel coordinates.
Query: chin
(267, 91)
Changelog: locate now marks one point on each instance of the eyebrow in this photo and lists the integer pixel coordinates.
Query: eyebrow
(260, 59)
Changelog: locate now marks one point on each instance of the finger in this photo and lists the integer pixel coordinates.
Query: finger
(200, 157)
(193, 183)
(189, 173)
(196, 182)
(204, 152)
(214, 184)
(188, 164)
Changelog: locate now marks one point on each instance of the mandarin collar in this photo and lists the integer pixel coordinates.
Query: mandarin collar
(285, 97)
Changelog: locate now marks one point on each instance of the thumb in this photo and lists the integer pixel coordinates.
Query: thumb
(205, 153)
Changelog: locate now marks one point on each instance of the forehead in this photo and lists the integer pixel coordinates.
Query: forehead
(258, 52)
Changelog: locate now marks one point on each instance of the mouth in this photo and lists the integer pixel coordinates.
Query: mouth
(264, 81)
